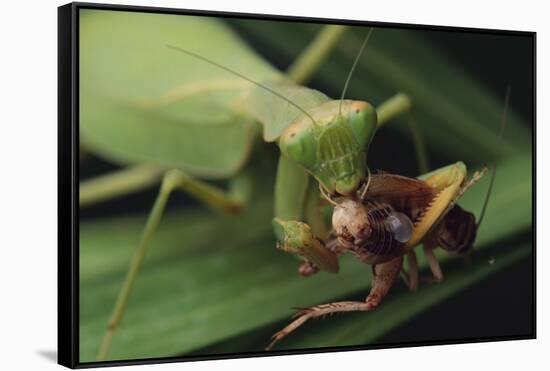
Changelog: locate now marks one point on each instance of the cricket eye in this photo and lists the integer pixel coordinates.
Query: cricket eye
(400, 226)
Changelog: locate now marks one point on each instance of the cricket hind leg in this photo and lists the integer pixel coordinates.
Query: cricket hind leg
(382, 280)
(217, 199)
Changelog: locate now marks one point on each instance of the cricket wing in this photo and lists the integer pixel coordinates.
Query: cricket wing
(408, 195)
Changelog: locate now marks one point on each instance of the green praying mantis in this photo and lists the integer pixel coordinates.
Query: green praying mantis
(323, 142)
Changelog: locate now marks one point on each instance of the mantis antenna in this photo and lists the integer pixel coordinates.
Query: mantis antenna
(353, 69)
(211, 62)
(344, 90)
(491, 182)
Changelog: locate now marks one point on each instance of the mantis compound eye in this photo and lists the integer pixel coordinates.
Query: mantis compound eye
(400, 226)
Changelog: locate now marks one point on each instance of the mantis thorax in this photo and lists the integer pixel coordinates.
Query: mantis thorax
(331, 143)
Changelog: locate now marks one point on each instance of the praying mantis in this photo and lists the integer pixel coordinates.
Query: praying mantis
(241, 103)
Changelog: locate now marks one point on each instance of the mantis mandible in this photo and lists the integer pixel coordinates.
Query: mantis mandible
(323, 142)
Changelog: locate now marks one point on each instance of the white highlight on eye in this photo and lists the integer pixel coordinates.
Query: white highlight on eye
(400, 225)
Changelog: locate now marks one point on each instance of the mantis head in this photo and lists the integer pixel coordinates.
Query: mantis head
(331, 143)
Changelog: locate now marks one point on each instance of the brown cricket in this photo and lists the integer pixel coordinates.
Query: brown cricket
(387, 218)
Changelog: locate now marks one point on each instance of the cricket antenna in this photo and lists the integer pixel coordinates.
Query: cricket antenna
(211, 62)
(493, 175)
(353, 69)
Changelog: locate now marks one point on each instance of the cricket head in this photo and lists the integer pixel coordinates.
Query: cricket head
(331, 143)
(355, 224)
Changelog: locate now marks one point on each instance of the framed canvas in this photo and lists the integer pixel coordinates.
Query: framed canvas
(228, 180)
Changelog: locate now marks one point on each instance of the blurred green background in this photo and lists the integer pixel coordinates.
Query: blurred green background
(216, 285)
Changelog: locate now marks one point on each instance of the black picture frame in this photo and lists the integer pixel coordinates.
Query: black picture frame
(68, 175)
